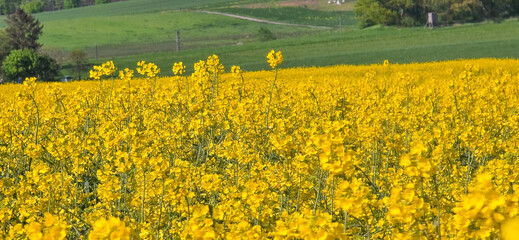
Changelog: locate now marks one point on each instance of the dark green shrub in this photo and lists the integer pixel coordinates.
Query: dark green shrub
(20, 64)
(264, 34)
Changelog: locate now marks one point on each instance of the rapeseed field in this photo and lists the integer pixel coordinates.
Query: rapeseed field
(387, 151)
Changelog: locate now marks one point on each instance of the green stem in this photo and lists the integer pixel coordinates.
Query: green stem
(161, 206)
(270, 100)
(143, 191)
(242, 82)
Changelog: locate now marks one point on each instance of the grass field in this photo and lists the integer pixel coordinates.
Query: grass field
(130, 7)
(499, 40)
(135, 30)
(149, 28)
(298, 15)
(149, 21)
(321, 5)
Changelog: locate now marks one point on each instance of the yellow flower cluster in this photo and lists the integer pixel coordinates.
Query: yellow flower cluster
(149, 70)
(106, 69)
(214, 65)
(51, 228)
(236, 70)
(387, 151)
(179, 68)
(274, 58)
(109, 229)
(127, 74)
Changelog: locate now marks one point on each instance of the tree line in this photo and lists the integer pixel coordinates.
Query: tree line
(20, 54)
(19, 50)
(414, 12)
(34, 6)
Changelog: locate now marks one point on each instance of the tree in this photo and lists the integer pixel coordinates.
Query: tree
(23, 30)
(372, 12)
(46, 68)
(408, 11)
(71, 3)
(32, 6)
(19, 64)
(466, 10)
(79, 59)
(500, 8)
(24, 63)
(49, 5)
(5, 48)
(8, 6)
(413, 12)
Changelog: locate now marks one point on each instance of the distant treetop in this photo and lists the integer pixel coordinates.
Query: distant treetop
(33, 6)
(414, 12)
(23, 30)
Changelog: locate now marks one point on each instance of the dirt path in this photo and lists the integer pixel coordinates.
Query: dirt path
(264, 21)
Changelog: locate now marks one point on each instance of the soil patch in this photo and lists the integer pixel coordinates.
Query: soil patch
(299, 3)
(307, 3)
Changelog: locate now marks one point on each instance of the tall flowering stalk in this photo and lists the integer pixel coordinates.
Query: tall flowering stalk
(179, 69)
(274, 59)
(149, 70)
(237, 72)
(215, 68)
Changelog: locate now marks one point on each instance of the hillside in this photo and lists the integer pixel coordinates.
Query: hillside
(135, 30)
(497, 40)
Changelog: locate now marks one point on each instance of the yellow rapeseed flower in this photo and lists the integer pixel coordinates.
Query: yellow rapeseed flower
(179, 68)
(274, 58)
(111, 228)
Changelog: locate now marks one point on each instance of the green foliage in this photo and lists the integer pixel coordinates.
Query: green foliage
(466, 10)
(408, 22)
(71, 3)
(372, 12)
(23, 30)
(78, 58)
(5, 48)
(46, 68)
(8, 6)
(35, 6)
(500, 8)
(264, 34)
(32, 6)
(20, 64)
(414, 12)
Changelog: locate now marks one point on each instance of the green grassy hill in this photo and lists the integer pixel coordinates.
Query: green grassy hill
(297, 15)
(151, 28)
(144, 26)
(135, 30)
(147, 22)
(498, 40)
(130, 7)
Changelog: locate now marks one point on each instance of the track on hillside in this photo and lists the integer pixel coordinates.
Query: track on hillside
(262, 20)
